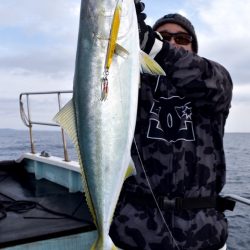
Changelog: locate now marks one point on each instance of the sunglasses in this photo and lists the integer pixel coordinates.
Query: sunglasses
(180, 38)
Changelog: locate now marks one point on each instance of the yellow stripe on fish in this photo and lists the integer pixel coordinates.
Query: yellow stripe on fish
(113, 34)
(111, 48)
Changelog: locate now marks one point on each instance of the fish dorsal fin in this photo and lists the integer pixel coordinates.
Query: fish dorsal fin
(149, 65)
(66, 119)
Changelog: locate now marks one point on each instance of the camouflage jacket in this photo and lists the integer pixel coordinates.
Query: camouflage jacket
(179, 147)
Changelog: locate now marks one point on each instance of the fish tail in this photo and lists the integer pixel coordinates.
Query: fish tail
(104, 243)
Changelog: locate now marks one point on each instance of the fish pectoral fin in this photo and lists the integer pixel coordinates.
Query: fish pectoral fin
(121, 51)
(149, 65)
(131, 169)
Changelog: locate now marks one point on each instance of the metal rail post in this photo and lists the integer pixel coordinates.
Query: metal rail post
(27, 118)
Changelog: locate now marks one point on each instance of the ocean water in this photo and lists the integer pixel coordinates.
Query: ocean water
(13, 143)
(237, 147)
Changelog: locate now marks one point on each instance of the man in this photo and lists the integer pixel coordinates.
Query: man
(173, 202)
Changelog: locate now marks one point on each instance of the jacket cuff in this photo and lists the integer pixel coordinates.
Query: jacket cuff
(151, 43)
(156, 48)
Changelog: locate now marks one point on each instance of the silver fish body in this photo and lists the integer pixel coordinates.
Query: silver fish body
(104, 129)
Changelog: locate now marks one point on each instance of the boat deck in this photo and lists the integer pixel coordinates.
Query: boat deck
(37, 209)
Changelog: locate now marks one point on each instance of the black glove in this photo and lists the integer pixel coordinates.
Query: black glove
(146, 33)
(139, 6)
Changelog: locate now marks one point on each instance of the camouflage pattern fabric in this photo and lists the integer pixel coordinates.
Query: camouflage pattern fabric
(179, 138)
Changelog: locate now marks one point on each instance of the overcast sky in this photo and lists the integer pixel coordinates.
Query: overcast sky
(38, 45)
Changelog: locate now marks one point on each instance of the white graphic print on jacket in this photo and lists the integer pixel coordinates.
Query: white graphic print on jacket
(171, 120)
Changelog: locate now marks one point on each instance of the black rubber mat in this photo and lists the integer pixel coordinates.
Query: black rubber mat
(33, 209)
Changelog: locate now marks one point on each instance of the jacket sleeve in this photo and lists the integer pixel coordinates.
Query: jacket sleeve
(207, 83)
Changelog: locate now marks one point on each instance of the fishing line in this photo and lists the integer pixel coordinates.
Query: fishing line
(149, 185)
(154, 197)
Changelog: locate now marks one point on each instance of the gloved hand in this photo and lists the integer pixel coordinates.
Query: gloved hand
(143, 29)
(146, 33)
(139, 6)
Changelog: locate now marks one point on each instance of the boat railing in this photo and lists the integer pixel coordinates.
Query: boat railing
(25, 112)
(238, 198)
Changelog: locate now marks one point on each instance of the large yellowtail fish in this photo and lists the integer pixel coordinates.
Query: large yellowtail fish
(100, 119)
